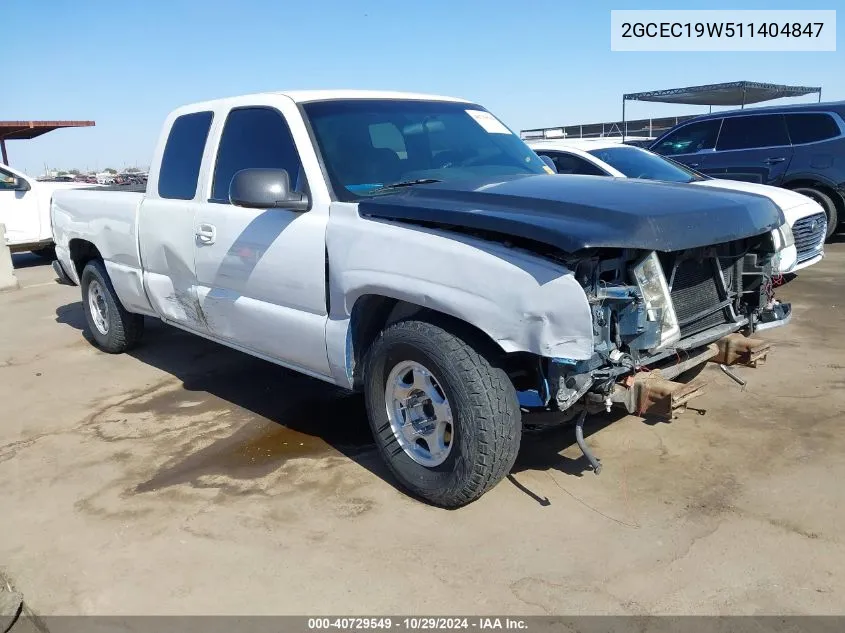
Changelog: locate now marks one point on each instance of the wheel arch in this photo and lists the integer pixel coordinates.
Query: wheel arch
(81, 252)
(822, 185)
(372, 313)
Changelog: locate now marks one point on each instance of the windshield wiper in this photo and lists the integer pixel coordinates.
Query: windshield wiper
(406, 183)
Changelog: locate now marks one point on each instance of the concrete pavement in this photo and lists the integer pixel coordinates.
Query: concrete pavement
(186, 478)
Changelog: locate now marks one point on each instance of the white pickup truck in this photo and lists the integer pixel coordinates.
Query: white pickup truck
(413, 247)
(25, 211)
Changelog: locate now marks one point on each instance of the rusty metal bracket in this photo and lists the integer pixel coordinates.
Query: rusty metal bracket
(738, 349)
(673, 368)
(648, 393)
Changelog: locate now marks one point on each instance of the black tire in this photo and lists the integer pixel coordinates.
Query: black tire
(48, 253)
(827, 203)
(124, 329)
(486, 420)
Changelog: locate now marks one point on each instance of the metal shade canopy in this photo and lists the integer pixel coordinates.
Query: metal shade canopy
(18, 130)
(735, 93)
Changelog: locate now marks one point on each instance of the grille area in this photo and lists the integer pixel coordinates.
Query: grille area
(809, 235)
(696, 291)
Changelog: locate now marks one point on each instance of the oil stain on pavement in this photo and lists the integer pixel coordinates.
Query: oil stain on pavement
(241, 421)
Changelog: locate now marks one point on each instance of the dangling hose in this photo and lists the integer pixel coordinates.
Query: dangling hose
(579, 437)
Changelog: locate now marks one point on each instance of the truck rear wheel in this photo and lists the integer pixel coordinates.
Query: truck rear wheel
(113, 329)
(445, 420)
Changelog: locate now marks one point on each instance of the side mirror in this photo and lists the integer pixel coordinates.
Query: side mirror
(549, 162)
(265, 189)
(21, 184)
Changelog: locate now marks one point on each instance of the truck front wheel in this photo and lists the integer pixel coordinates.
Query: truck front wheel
(445, 420)
(113, 329)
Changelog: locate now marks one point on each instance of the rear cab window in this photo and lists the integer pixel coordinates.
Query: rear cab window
(810, 127)
(753, 131)
(182, 158)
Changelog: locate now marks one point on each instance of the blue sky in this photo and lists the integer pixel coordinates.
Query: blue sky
(534, 64)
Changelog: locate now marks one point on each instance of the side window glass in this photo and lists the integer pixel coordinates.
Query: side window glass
(571, 164)
(7, 180)
(388, 136)
(690, 139)
(255, 138)
(811, 127)
(180, 163)
(753, 131)
(586, 168)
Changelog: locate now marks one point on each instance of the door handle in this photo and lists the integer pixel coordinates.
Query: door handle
(772, 161)
(693, 165)
(206, 233)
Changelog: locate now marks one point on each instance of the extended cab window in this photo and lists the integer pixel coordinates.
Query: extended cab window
(180, 164)
(571, 164)
(255, 138)
(690, 139)
(811, 127)
(753, 131)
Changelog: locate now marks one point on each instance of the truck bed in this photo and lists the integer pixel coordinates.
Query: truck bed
(105, 218)
(129, 188)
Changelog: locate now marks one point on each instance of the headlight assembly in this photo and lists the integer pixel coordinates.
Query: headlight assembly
(783, 237)
(649, 276)
(786, 255)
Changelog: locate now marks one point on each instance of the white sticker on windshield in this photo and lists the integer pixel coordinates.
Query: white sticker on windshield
(490, 123)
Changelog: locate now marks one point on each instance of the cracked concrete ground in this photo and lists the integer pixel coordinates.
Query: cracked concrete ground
(187, 478)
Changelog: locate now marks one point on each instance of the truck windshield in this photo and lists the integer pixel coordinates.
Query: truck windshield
(369, 144)
(639, 163)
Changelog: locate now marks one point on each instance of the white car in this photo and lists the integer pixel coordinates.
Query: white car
(25, 210)
(610, 157)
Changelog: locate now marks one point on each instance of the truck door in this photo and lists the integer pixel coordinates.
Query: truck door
(166, 227)
(261, 272)
(752, 148)
(18, 210)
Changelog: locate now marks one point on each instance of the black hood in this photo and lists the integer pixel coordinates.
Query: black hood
(576, 212)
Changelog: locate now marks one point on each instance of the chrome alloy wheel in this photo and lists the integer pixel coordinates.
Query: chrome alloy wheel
(419, 413)
(98, 307)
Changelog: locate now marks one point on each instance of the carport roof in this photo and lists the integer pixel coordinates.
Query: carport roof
(736, 93)
(19, 130)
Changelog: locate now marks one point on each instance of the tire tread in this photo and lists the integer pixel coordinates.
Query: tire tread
(493, 401)
(126, 328)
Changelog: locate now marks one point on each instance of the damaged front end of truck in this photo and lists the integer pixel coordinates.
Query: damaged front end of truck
(673, 279)
(658, 318)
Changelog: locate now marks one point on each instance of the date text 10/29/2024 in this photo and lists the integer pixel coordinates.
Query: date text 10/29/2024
(416, 623)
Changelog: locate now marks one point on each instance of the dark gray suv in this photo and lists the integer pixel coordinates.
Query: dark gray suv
(799, 147)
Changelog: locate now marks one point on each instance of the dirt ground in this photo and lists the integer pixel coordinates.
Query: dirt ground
(188, 478)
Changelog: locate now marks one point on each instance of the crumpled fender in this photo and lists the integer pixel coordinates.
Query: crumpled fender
(523, 302)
